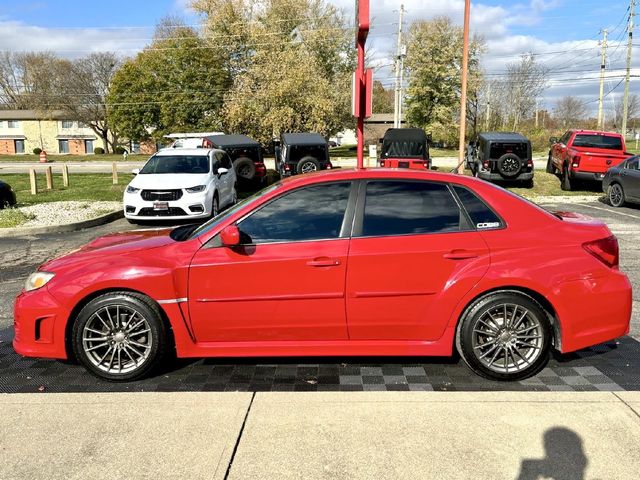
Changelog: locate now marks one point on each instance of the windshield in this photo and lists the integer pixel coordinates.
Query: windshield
(215, 221)
(176, 164)
(598, 141)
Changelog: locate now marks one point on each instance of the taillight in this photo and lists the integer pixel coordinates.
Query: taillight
(486, 165)
(287, 167)
(576, 161)
(530, 163)
(382, 163)
(329, 166)
(606, 250)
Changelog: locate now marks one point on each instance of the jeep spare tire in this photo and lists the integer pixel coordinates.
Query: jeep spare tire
(509, 165)
(308, 165)
(245, 168)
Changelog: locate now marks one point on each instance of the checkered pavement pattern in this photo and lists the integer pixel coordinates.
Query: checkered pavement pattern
(612, 366)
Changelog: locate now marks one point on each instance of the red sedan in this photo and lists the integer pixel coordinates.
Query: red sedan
(368, 262)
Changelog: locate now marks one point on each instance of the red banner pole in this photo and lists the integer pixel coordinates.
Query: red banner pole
(361, 104)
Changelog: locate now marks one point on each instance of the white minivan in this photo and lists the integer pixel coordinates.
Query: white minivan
(181, 184)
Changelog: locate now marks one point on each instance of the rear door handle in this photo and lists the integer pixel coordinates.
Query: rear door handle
(460, 254)
(324, 262)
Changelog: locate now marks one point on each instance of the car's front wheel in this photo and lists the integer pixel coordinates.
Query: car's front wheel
(119, 336)
(616, 195)
(505, 336)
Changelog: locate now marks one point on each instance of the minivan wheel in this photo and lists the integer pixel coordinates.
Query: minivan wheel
(616, 195)
(119, 336)
(505, 336)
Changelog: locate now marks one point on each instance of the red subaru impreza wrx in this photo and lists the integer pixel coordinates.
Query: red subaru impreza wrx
(339, 263)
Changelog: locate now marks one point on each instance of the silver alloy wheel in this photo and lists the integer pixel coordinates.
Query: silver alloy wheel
(507, 338)
(117, 339)
(615, 195)
(308, 167)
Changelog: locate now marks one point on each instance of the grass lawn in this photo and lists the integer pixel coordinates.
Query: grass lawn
(73, 158)
(83, 187)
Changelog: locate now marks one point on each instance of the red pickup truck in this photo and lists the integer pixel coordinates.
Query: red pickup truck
(584, 155)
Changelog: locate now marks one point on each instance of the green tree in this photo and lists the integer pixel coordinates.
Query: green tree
(290, 62)
(383, 99)
(175, 84)
(434, 58)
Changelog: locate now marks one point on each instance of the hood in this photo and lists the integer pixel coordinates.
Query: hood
(169, 181)
(114, 244)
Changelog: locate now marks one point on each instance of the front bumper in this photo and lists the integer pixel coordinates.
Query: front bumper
(190, 206)
(39, 325)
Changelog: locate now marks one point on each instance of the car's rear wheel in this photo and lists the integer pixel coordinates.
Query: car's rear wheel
(505, 336)
(616, 195)
(566, 183)
(119, 336)
(308, 165)
(215, 206)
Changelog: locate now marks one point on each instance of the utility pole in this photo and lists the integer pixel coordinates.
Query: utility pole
(537, 110)
(400, 52)
(463, 92)
(602, 71)
(625, 103)
(488, 116)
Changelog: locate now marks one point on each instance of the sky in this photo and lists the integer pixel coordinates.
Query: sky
(564, 34)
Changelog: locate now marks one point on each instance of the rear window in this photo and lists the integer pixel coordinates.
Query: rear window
(481, 215)
(598, 141)
(500, 149)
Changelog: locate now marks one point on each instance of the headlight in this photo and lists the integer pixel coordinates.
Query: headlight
(199, 188)
(37, 280)
(131, 189)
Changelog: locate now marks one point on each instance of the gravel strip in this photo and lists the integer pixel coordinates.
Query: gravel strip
(61, 213)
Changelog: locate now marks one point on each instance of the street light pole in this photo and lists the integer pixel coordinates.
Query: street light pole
(463, 93)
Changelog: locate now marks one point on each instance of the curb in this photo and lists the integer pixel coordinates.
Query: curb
(68, 227)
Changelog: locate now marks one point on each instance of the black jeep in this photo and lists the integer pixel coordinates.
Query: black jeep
(302, 153)
(246, 155)
(501, 156)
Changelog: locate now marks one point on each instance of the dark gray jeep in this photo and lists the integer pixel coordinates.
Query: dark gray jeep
(302, 153)
(501, 156)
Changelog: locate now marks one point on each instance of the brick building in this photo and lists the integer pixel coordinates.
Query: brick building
(21, 131)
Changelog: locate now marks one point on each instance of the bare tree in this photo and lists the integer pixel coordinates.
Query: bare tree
(524, 83)
(83, 89)
(28, 80)
(633, 112)
(569, 110)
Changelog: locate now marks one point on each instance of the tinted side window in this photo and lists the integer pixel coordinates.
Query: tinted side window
(632, 164)
(401, 208)
(481, 215)
(312, 213)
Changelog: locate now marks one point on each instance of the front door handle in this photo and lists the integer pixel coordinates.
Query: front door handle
(324, 262)
(461, 254)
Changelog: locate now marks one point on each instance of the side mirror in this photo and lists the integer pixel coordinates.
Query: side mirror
(222, 171)
(230, 236)
(553, 140)
(135, 171)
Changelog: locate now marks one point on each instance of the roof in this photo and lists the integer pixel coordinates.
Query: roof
(184, 151)
(32, 115)
(503, 136)
(192, 135)
(232, 140)
(405, 134)
(382, 118)
(303, 138)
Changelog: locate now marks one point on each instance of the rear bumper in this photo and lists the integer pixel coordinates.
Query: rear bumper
(496, 177)
(39, 325)
(599, 310)
(587, 176)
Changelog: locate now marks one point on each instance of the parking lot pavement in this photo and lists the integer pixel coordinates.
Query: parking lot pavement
(612, 366)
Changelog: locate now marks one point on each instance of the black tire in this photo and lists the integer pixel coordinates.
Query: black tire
(215, 205)
(615, 194)
(155, 343)
(132, 222)
(550, 168)
(509, 165)
(245, 168)
(308, 165)
(470, 338)
(566, 183)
